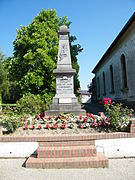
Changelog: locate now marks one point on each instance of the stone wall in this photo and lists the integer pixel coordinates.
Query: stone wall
(126, 46)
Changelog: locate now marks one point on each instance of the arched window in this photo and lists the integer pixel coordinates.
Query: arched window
(98, 87)
(123, 71)
(104, 86)
(111, 79)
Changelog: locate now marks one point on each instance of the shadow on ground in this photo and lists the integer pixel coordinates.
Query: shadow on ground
(93, 108)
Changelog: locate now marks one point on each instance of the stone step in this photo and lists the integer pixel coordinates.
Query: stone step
(66, 152)
(99, 161)
(67, 143)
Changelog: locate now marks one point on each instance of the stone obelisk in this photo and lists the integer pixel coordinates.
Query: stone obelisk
(65, 99)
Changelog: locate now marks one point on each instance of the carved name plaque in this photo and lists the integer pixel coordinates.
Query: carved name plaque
(65, 100)
(64, 84)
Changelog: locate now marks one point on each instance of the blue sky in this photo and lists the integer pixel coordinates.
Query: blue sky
(95, 23)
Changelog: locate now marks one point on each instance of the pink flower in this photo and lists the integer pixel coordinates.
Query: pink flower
(26, 127)
(50, 117)
(81, 126)
(47, 126)
(39, 126)
(38, 117)
(95, 124)
(108, 119)
(55, 126)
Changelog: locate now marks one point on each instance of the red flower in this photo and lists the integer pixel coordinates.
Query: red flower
(38, 117)
(39, 126)
(87, 114)
(106, 101)
(47, 126)
(80, 117)
(92, 116)
(85, 119)
(63, 126)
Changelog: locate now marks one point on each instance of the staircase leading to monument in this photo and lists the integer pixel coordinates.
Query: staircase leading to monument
(67, 154)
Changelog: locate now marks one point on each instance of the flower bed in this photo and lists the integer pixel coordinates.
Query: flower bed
(117, 119)
(64, 121)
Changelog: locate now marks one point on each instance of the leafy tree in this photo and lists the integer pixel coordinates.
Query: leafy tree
(35, 55)
(4, 83)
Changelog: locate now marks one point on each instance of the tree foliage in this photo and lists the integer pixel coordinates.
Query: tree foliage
(4, 83)
(35, 54)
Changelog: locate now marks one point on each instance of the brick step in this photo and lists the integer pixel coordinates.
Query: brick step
(66, 152)
(67, 143)
(99, 161)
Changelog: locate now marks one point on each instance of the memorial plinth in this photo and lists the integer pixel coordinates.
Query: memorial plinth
(65, 99)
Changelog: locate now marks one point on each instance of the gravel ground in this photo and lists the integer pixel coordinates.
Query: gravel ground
(119, 169)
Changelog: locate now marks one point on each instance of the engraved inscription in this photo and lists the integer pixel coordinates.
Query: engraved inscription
(63, 52)
(64, 83)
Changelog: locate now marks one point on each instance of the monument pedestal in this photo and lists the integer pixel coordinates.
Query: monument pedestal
(65, 100)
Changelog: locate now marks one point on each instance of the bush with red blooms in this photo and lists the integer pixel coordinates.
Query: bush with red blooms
(106, 101)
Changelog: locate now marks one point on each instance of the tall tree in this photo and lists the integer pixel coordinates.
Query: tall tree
(35, 54)
(4, 83)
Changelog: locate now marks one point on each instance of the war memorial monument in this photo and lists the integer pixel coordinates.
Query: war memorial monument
(65, 100)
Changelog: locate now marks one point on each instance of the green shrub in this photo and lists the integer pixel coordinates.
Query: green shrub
(30, 104)
(11, 123)
(119, 116)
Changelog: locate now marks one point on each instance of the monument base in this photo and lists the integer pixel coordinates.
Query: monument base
(57, 112)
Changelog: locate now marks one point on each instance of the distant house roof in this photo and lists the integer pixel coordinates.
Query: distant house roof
(84, 92)
(125, 28)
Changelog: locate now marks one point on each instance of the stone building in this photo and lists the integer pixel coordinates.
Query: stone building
(115, 71)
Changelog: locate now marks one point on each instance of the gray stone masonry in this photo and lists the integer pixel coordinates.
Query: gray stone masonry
(65, 99)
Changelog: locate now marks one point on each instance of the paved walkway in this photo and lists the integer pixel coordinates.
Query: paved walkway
(120, 169)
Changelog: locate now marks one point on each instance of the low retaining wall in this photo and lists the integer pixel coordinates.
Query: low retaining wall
(116, 148)
(114, 145)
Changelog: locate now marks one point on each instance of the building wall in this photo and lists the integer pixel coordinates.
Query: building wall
(126, 46)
